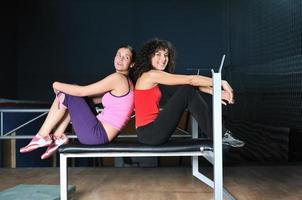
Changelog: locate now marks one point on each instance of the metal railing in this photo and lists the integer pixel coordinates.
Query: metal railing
(9, 134)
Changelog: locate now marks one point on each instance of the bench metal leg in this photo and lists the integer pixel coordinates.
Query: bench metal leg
(217, 135)
(63, 177)
(197, 174)
(209, 156)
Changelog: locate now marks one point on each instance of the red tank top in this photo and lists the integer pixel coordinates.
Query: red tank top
(146, 104)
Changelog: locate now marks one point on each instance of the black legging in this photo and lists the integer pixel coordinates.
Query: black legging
(160, 130)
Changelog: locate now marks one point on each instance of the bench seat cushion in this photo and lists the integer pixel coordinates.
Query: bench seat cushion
(132, 145)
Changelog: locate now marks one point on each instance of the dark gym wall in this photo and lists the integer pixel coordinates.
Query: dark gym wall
(264, 39)
(266, 45)
(8, 50)
(75, 41)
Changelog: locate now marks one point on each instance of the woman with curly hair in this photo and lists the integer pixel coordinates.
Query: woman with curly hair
(115, 92)
(153, 67)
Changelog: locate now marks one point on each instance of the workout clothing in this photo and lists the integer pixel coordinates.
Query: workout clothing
(117, 109)
(88, 127)
(146, 105)
(160, 130)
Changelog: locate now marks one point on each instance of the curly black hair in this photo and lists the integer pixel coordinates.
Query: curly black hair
(143, 61)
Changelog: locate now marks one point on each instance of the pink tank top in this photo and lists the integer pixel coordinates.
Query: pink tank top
(117, 109)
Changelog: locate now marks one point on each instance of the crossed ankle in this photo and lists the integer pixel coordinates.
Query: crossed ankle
(58, 135)
(37, 142)
(58, 141)
(41, 136)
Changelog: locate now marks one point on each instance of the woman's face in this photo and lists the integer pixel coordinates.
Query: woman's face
(122, 60)
(160, 59)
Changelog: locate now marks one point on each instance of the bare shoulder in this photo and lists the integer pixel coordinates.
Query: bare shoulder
(119, 78)
(121, 82)
(113, 79)
(116, 76)
(157, 74)
(152, 73)
(151, 78)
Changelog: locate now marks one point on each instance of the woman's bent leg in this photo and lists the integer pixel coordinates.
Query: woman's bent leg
(165, 124)
(42, 138)
(87, 127)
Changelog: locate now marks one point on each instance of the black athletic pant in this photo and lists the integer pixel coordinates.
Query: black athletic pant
(160, 130)
(168, 91)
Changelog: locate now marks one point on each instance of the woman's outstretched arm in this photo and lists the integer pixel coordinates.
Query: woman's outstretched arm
(100, 87)
(165, 78)
(226, 98)
(161, 77)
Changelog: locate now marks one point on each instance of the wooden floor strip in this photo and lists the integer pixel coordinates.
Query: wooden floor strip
(244, 182)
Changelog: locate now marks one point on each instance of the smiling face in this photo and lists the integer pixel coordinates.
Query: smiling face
(160, 59)
(123, 60)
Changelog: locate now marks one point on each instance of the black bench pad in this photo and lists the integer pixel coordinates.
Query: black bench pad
(132, 145)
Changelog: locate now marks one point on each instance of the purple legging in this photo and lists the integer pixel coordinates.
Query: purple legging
(87, 127)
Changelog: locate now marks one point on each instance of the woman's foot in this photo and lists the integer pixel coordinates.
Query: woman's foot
(37, 142)
(58, 141)
(230, 140)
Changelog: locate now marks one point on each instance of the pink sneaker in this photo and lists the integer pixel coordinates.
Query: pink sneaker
(37, 142)
(63, 139)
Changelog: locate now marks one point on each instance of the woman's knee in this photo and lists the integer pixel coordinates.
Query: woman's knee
(61, 98)
(189, 91)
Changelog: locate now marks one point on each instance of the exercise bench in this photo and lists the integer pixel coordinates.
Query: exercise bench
(193, 147)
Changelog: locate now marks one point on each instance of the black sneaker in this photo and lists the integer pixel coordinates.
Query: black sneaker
(229, 140)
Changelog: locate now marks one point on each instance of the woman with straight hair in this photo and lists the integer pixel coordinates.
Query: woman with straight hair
(116, 94)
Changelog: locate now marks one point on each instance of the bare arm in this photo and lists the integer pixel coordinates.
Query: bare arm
(208, 90)
(225, 95)
(161, 77)
(154, 77)
(102, 86)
